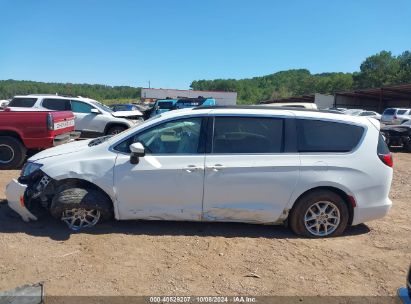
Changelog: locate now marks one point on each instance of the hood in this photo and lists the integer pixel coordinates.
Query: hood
(396, 128)
(127, 113)
(63, 149)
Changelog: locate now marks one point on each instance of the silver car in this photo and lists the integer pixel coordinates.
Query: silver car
(395, 116)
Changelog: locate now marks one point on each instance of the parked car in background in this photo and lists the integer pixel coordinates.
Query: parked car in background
(395, 116)
(124, 107)
(165, 105)
(353, 112)
(320, 172)
(409, 282)
(3, 104)
(302, 105)
(370, 114)
(398, 135)
(133, 107)
(336, 109)
(22, 131)
(92, 118)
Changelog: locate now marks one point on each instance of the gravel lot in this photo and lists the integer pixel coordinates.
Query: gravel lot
(175, 258)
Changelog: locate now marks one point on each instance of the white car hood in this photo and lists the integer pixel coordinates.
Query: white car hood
(127, 113)
(60, 150)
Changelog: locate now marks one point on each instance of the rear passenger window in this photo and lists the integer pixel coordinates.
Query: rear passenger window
(56, 104)
(22, 102)
(247, 135)
(401, 112)
(327, 136)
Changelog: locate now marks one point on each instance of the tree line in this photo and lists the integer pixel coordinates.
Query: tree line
(375, 71)
(10, 88)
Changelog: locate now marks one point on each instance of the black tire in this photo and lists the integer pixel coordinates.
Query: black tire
(301, 207)
(407, 146)
(79, 198)
(115, 130)
(12, 153)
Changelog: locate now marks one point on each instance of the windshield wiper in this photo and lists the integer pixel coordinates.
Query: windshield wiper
(98, 140)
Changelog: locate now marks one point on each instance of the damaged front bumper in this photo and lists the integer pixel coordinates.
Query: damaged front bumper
(15, 198)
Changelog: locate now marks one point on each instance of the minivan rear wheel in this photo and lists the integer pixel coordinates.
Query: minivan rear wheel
(320, 213)
(81, 208)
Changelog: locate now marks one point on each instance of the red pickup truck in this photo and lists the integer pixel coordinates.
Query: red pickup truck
(37, 130)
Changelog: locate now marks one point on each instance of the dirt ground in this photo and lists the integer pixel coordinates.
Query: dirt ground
(175, 258)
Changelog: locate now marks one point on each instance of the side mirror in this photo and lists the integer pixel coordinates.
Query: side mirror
(137, 151)
(95, 111)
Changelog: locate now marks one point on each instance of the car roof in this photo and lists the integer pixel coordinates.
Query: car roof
(56, 97)
(397, 109)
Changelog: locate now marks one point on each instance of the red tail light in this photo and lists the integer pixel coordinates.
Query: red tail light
(387, 159)
(395, 116)
(50, 122)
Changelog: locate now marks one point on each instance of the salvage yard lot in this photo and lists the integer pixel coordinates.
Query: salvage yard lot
(176, 258)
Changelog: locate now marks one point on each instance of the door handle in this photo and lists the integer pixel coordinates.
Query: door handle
(191, 168)
(216, 167)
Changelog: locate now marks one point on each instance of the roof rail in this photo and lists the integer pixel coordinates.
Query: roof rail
(59, 95)
(262, 107)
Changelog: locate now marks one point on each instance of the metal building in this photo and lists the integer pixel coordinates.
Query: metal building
(376, 99)
(373, 99)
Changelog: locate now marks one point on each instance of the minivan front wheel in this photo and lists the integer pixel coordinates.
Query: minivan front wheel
(320, 213)
(81, 208)
(78, 218)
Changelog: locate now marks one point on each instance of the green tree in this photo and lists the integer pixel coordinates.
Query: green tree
(378, 70)
(404, 75)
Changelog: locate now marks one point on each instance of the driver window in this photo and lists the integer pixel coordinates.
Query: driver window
(80, 107)
(174, 137)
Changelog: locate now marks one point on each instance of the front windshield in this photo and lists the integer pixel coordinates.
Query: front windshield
(102, 107)
(131, 130)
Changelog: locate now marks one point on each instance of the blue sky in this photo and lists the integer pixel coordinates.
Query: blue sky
(172, 42)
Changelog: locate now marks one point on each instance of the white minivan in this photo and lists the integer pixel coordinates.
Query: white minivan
(318, 172)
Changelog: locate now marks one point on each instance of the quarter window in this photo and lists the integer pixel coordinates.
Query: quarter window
(56, 104)
(23, 102)
(80, 107)
(327, 136)
(174, 137)
(247, 135)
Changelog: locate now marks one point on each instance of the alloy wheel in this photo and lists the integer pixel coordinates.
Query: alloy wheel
(79, 218)
(322, 218)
